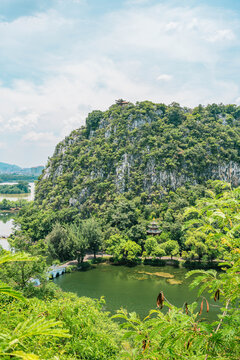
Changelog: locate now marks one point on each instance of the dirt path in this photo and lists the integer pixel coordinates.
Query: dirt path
(86, 258)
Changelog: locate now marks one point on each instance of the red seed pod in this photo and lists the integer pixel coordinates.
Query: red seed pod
(201, 308)
(207, 305)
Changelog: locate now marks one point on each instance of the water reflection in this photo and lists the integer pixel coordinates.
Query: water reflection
(131, 289)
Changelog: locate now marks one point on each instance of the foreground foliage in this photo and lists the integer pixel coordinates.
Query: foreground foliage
(63, 326)
(181, 333)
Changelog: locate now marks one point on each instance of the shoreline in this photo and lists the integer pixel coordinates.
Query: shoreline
(165, 260)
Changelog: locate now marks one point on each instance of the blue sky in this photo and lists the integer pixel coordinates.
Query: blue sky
(61, 59)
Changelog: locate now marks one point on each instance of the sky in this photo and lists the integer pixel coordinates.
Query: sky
(61, 59)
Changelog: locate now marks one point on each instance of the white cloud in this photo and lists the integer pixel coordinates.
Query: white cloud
(176, 33)
(222, 35)
(81, 66)
(40, 137)
(137, 2)
(21, 121)
(3, 145)
(164, 77)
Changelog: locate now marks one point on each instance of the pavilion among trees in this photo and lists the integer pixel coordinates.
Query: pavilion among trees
(153, 229)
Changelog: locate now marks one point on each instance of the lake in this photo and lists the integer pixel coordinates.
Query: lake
(7, 218)
(131, 288)
(6, 223)
(15, 197)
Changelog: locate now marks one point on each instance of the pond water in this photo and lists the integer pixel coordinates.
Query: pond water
(133, 288)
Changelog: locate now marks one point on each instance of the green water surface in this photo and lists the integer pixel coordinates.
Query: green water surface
(130, 288)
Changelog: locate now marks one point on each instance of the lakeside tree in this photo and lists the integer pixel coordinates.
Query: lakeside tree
(60, 243)
(79, 242)
(91, 232)
(123, 249)
(150, 245)
(18, 274)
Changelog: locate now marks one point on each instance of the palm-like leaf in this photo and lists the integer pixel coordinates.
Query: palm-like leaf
(7, 290)
(9, 257)
(9, 340)
(21, 355)
(41, 326)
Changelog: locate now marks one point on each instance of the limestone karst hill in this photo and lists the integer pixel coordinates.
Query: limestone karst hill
(134, 149)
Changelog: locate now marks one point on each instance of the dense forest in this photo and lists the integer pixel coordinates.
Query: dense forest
(102, 189)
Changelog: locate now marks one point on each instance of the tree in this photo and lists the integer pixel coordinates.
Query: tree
(59, 243)
(91, 231)
(79, 242)
(215, 231)
(171, 248)
(112, 242)
(122, 214)
(24, 186)
(175, 114)
(150, 245)
(123, 249)
(6, 258)
(131, 251)
(93, 119)
(20, 272)
(137, 233)
(158, 252)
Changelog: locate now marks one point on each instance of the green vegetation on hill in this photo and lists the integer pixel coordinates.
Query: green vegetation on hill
(141, 150)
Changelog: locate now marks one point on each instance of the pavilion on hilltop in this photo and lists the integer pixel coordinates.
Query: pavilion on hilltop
(121, 102)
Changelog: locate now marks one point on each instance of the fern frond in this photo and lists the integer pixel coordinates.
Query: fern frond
(21, 355)
(16, 257)
(7, 290)
(41, 326)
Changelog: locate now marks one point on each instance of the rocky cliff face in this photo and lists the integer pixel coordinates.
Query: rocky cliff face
(140, 148)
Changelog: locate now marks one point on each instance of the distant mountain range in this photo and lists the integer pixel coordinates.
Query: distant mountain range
(14, 169)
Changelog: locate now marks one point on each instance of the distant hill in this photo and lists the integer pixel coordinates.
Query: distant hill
(10, 169)
(37, 170)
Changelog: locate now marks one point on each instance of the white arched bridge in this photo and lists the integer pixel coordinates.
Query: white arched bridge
(56, 270)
